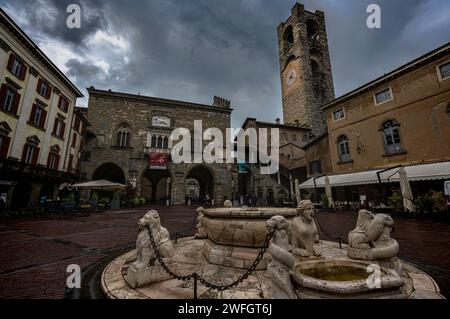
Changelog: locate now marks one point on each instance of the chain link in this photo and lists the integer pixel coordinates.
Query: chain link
(340, 239)
(245, 276)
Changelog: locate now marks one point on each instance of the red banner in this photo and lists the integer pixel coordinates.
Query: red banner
(159, 161)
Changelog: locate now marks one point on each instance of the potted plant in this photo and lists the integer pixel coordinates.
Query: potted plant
(115, 203)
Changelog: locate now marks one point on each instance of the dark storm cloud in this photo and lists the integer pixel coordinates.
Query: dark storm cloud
(49, 16)
(193, 50)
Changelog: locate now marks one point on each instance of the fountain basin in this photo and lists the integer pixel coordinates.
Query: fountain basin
(236, 235)
(344, 279)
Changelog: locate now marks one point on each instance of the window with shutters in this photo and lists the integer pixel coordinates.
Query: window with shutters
(9, 99)
(74, 140)
(30, 154)
(77, 123)
(17, 67)
(38, 116)
(54, 157)
(59, 128)
(63, 104)
(5, 142)
(44, 89)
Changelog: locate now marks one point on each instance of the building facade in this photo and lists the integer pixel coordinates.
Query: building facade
(305, 69)
(400, 121)
(37, 109)
(401, 118)
(137, 131)
(269, 188)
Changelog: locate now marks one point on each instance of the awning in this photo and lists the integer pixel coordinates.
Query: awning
(436, 171)
(100, 185)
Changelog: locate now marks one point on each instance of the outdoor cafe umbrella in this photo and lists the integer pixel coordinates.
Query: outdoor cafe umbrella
(329, 191)
(407, 194)
(100, 185)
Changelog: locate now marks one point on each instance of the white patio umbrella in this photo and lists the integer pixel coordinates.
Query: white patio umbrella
(100, 185)
(329, 191)
(408, 198)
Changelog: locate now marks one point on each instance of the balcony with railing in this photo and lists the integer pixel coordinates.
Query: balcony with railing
(17, 170)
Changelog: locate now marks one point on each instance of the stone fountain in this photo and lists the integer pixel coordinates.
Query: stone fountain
(296, 264)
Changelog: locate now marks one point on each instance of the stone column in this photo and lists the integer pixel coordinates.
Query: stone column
(297, 191)
(291, 183)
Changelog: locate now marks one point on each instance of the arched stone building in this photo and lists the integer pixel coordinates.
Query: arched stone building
(128, 129)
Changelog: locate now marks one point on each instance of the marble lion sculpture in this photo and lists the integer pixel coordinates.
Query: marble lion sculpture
(145, 253)
(304, 232)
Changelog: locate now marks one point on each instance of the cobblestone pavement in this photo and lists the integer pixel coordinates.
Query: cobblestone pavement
(34, 254)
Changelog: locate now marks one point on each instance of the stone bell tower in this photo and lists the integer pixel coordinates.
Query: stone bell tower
(305, 69)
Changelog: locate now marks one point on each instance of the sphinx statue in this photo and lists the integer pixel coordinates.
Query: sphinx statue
(282, 260)
(304, 233)
(371, 240)
(145, 269)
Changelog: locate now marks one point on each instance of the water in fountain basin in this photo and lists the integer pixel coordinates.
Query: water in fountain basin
(338, 273)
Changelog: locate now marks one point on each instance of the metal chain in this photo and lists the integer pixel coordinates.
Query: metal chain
(321, 229)
(161, 261)
(180, 233)
(245, 276)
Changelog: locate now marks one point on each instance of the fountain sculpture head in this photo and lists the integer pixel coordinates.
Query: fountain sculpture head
(304, 232)
(371, 239)
(306, 209)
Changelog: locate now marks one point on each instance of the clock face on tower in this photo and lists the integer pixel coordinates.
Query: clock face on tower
(291, 77)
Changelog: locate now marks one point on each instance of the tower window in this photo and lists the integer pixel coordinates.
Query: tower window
(288, 37)
(312, 30)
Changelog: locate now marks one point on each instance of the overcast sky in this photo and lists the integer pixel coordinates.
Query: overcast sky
(194, 49)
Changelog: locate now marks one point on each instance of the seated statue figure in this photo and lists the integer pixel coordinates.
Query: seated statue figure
(304, 233)
(146, 269)
(282, 260)
(371, 240)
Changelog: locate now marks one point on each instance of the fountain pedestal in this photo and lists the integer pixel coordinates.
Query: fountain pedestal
(236, 236)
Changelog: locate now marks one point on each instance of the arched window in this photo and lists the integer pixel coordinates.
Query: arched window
(123, 137)
(312, 30)
(392, 140)
(154, 141)
(288, 37)
(160, 142)
(344, 149)
(166, 143)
